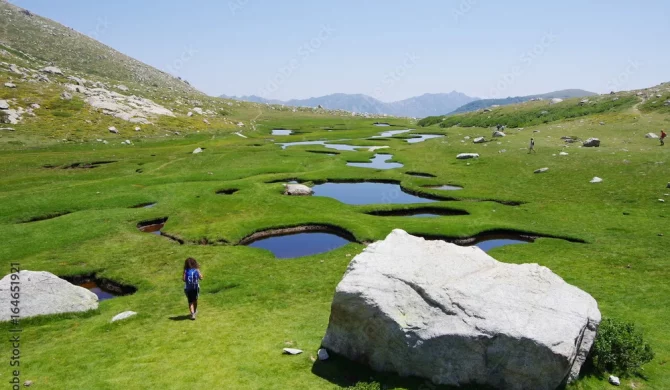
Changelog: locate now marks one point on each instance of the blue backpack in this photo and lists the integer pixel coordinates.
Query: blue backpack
(192, 278)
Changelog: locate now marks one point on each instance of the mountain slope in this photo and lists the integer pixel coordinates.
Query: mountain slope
(38, 38)
(419, 106)
(485, 103)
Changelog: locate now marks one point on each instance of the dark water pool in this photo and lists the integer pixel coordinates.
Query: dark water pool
(367, 193)
(300, 244)
(94, 288)
(379, 161)
(488, 244)
(153, 229)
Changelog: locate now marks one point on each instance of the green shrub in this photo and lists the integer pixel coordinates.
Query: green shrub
(619, 348)
(366, 386)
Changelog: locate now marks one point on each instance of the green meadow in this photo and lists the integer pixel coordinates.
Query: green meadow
(253, 305)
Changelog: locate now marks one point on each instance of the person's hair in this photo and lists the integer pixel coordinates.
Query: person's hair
(191, 263)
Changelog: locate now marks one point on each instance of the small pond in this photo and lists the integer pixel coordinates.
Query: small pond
(93, 287)
(379, 161)
(382, 124)
(368, 193)
(104, 289)
(391, 133)
(422, 212)
(300, 244)
(422, 137)
(329, 146)
(282, 132)
(491, 243)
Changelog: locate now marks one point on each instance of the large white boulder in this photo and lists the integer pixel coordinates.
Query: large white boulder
(297, 189)
(457, 316)
(43, 293)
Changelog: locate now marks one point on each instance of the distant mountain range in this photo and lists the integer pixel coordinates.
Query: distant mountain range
(418, 107)
(484, 103)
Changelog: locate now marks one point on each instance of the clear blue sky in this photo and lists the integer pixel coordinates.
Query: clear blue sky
(385, 48)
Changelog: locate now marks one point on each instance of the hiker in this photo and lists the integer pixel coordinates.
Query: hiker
(191, 278)
(531, 148)
(663, 135)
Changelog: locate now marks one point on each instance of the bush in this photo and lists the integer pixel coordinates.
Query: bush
(619, 348)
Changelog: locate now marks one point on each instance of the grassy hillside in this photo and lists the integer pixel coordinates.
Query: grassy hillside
(533, 113)
(485, 103)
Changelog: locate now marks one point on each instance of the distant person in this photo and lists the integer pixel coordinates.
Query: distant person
(663, 135)
(531, 147)
(192, 277)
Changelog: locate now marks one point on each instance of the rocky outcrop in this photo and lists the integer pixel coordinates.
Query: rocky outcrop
(457, 316)
(297, 189)
(43, 293)
(592, 143)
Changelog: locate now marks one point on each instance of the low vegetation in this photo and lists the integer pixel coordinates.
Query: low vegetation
(620, 348)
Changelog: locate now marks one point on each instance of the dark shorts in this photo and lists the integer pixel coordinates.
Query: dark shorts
(192, 295)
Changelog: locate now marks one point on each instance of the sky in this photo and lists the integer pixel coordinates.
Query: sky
(387, 49)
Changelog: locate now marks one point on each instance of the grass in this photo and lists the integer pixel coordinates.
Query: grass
(252, 305)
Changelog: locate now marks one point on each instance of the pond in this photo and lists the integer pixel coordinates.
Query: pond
(422, 212)
(379, 161)
(329, 146)
(391, 133)
(103, 288)
(299, 241)
(94, 288)
(422, 137)
(382, 124)
(368, 193)
(491, 243)
(282, 132)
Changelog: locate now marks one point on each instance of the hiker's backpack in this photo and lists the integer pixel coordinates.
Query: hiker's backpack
(192, 277)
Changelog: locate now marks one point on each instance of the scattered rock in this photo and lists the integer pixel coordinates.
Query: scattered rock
(457, 316)
(190, 114)
(122, 88)
(614, 380)
(651, 135)
(297, 190)
(52, 70)
(138, 128)
(322, 354)
(498, 134)
(197, 150)
(4, 105)
(35, 106)
(465, 156)
(467, 137)
(123, 316)
(662, 200)
(541, 170)
(592, 143)
(198, 110)
(292, 351)
(10, 85)
(66, 96)
(563, 154)
(44, 293)
(15, 69)
(596, 180)
(479, 140)
(7, 128)
(602, 123)
(112, 129)
(77, 80)
(127, 142)
(556, 100)
(28, 383)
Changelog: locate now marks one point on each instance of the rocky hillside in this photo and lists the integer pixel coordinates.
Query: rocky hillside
(36, 38)
(486, 103)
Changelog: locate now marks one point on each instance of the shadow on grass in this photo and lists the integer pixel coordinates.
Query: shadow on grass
(181, 318)
(343, 372)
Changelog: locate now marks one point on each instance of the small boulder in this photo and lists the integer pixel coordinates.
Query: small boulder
(52, 70)
(123, 316)
(596, 180)
(190, 114)
(66, 96)
(292, 351)
(602, 123)
(126, 142)
(4, 105)
(138, 128)
(35, 106)
(10, 85)
(122, 88)
(592, 143)
(541, 170)
(198, 110)
(466, 156)
(614, 380)
(651, 135)
(322, 354)
(498, 134)
(556, 100)
(479, 140)
(205, 121)
(297, 190)
(563, 154)
(28, 383)
(44, 293)
(113, 129)
(197, 151)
